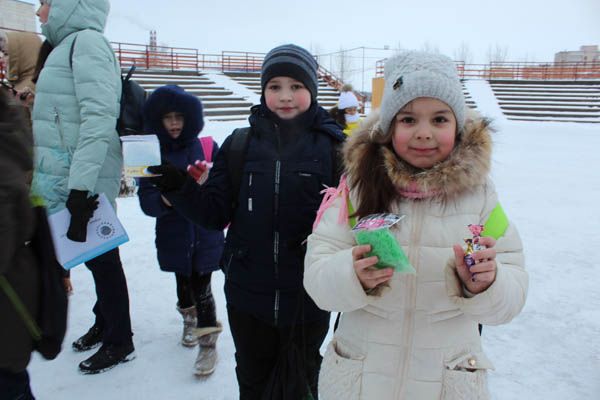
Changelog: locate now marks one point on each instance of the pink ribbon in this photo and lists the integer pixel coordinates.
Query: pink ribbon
(330, 195)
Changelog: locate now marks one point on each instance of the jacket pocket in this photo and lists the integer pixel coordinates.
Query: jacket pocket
(465, 377)
(341, 374)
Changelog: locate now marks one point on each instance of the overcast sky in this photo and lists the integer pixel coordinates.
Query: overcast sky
(528, 30)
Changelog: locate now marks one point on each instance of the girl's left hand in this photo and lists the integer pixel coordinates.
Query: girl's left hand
(483, 273)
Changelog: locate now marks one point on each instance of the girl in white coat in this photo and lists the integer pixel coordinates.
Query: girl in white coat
(415, 336)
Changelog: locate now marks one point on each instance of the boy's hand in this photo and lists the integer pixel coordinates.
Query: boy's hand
(369, 276)
(170, 177)
(483, 273)
(199, 171)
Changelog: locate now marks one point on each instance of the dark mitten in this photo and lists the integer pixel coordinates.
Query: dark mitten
(82, 209)
(171, 178)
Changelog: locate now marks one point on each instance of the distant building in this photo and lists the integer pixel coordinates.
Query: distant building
(584, 54)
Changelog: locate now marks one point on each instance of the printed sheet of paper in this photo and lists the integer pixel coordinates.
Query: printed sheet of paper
(140, 152)
(104, 233)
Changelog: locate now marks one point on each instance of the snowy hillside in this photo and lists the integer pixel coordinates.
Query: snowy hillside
(547, 175)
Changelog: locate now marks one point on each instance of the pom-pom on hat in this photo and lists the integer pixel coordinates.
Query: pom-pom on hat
(413, 74)
(347, 100)
(291, 61)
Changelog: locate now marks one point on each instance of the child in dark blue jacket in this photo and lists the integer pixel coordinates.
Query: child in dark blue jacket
(188, 250)
(289, 157)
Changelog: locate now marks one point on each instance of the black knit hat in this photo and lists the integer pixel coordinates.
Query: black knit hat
(291, 61)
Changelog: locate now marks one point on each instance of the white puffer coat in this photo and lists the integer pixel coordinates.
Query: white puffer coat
(417, 338)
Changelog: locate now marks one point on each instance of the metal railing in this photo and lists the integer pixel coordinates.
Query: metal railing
(522, 70)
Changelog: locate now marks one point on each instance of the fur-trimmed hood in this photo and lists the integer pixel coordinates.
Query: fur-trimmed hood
(467, 166)
(173, 98)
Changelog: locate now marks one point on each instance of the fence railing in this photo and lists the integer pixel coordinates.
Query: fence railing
(522, 70)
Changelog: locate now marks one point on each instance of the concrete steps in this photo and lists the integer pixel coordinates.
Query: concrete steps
(559, 101)
(219, 102)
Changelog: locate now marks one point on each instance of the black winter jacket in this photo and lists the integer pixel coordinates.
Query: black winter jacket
(17, 225)
(286, 166)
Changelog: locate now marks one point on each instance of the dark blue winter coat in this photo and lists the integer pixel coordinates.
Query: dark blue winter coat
(286, 167)
(181, 245)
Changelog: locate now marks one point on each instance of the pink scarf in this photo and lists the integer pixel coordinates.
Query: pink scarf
(414, 191)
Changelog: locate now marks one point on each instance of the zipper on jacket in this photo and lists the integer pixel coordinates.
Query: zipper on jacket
(408, 330)
(250, 192)
(276, 227)
(276, 214)
(59, 127)
(276, 308)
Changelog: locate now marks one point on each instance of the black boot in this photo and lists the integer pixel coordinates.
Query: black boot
(92, 339)
(106, 358)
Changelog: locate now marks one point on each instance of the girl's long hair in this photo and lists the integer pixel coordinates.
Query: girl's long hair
(368, 175)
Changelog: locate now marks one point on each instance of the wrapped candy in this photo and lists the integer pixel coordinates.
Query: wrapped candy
(374, 229)
(472, 244)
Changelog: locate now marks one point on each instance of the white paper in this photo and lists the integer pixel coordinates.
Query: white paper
(104, 233)
(140, 152)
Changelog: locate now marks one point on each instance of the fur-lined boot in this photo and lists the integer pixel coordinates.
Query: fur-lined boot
(207, 353)
(188, 338)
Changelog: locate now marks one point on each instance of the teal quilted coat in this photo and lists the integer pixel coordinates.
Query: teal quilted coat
(76, 106)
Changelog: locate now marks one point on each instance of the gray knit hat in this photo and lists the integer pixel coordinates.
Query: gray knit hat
(414, 74)
(292, 61)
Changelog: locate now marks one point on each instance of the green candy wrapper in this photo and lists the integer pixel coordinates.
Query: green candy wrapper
(375, 230)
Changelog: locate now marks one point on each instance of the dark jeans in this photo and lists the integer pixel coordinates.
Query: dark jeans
(15, 386)
(195, 290)
(112, 303)
(257, 346)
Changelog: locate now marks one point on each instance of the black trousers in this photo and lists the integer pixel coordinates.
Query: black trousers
(112, 299)
(15, 386)
(195, 290)
(257, 346)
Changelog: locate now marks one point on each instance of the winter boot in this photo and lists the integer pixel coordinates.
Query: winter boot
(188, 338)
(207, 353)
(107, 357)
(92, 339)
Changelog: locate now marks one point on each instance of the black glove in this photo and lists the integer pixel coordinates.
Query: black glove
(82, 209)
(171, 178)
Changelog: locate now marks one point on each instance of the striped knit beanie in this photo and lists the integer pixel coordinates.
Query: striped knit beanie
(291, 61)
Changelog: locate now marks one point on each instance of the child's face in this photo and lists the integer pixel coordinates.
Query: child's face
(287, 97)
(173, 123)
(350, 110)
(424, 132)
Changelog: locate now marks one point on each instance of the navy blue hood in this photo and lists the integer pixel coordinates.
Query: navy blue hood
(172, 98)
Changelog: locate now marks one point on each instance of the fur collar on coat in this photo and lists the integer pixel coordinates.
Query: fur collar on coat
(467, 166)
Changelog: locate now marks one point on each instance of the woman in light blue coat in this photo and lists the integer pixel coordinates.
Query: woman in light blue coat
(78, 154)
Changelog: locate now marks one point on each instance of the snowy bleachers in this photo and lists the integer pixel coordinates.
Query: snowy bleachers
(327, 97)
(219, 103)
(468, 98)
(563, 101)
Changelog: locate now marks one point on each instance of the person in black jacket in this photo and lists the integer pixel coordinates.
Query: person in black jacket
(186, 249)
(18, 264)
(289, 158)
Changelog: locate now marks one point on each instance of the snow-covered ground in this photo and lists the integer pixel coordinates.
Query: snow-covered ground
(548, 178)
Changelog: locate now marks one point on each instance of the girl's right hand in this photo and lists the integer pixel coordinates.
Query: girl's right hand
(369, 276)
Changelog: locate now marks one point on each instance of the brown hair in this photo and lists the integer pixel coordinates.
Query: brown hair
(368, 175)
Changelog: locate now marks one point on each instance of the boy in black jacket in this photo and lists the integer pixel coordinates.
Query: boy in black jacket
(289, 157)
